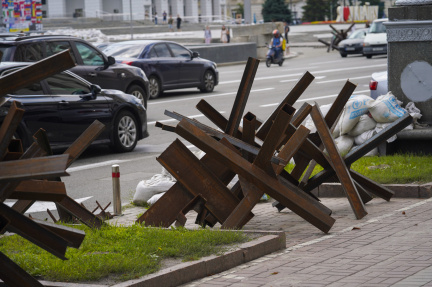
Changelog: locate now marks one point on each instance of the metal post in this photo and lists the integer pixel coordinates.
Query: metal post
(116, 189)
(130, 10)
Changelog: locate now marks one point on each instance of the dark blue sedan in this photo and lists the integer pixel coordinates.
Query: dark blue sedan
(167, 65)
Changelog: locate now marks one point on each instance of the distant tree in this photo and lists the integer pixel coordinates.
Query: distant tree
(239, 9)
(378, 3)
(276, 10)
(319, 10)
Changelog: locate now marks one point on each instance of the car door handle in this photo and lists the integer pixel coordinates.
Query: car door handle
(64, 103)
(92, 74)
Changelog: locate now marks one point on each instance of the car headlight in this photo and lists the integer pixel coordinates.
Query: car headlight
(365, 44)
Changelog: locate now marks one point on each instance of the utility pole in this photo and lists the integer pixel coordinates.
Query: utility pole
(130, 11)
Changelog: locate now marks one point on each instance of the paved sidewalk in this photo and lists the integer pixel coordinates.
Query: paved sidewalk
(391, 246)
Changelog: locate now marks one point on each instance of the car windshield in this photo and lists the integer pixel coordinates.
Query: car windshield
(377, 27)
(359, 34)
(124, 50)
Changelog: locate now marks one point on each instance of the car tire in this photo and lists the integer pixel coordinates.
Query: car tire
(155, 89)
(343, 55)
(268, 63)
(125, 132)
(139, 93)
(369, 56)
(209, 82)
(281, 63)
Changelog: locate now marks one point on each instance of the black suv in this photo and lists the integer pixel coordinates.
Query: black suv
(92, 64)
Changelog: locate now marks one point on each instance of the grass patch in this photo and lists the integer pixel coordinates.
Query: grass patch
(118, 252)
(402, 169)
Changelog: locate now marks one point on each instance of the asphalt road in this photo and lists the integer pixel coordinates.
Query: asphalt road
(90, 175)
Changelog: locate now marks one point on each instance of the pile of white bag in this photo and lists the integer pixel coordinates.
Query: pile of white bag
(363, 117)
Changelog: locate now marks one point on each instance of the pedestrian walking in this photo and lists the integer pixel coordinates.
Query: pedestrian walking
(170, 23)
(179, 20)
(224, 37)
(286, 31)
(228, 35)
(207, 35)
(164, 19)
(155, 18)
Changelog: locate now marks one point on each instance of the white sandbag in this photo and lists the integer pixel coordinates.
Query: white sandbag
(413, 111)
(360, 139)
(308, 122)
(380, 126)
(344, 144)
(385, 109)
(155, 198)
(157, 184)
(336, 130)
(365, 123)
(373, 152)
(356, 106)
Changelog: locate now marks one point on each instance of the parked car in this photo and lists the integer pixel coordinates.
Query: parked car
(167, 65)
(353, 44)
(375, 42)
(64, 105)
(92, 65)
(378, 85)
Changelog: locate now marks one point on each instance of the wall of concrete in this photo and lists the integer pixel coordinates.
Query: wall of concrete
(226, 53)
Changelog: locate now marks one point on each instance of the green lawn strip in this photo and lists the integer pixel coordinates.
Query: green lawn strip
(394, 169)
(118, 252)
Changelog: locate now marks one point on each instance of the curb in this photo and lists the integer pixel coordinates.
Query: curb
(270, 242)
(400, 190)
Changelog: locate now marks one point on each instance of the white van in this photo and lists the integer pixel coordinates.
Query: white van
(375, 42)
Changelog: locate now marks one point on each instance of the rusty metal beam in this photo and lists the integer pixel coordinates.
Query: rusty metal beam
(14, 276)
(292, 197)
(39, 190)
(36, 72)
(290, 99)
(338, 164)
(73, 237)
(9, 126)
(242, 96)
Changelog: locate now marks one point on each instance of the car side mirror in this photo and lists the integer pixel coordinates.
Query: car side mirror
(95, 90)
(111, 60)
(195, 55)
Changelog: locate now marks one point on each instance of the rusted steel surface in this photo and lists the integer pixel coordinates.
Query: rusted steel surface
(73, 237)
(36, 72)
(30, 230)
(242, 96)
(290, 99)
(9, 126)
(338, 164)
(33, 168)
(81, 213)
(212, 114)
(14, 276)
(293, 198)
(39, 190)
(372, 186)
(248, 135)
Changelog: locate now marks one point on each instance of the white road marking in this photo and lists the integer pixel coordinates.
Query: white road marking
(205, 97)
(174, 120)
(94, 165)
(343, 80)
(310, 99)
(40, 206)
(296, 80)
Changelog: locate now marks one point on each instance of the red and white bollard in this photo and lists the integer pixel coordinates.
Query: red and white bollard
(116, 189)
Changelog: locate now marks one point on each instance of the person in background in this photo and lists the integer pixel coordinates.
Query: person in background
(207, 35)
(224, 38)
(286, 30)
(164, 15)
(276, 44)
(228, 35)
(179, 20)
(155, 18)
(170, 23)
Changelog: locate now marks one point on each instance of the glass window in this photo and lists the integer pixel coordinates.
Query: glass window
(33, 89)
(377, 27)
(152, 53)
(64, 84)
(179, 51)
(89, 55)
(6, 52)
(29, 52)
(124, 51)
(53, 48)
(162, 51)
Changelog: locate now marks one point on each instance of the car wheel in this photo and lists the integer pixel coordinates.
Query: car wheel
(368, 56)
(138, 92)
(343, 55)
(209, 82)
(154, 87)
(125, 132)
(281, 63)
(268, 63)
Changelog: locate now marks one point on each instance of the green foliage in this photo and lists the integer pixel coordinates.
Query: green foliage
(402, 169)
(239, 9)
(376, 3)
(276, 10)
(120, 253)
(315, 10)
